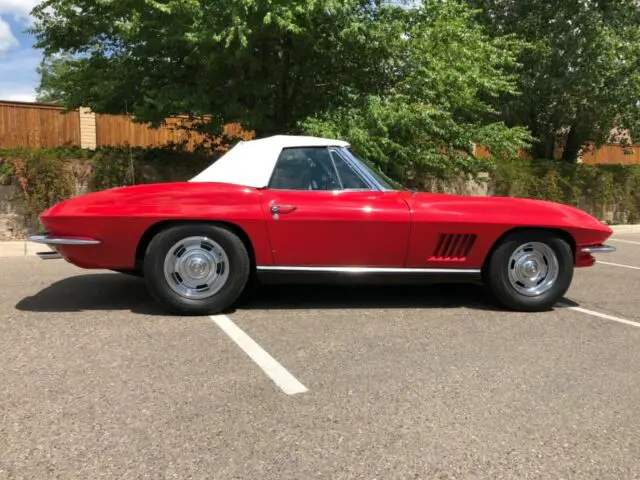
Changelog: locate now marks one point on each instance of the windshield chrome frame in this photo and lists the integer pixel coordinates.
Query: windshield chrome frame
(361, 169)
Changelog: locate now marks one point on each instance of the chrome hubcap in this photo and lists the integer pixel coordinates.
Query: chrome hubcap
(533, 269)
(196, 267)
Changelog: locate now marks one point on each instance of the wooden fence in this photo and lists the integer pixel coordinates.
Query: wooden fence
(33, 125)
(612, 154)
(40, 125)
(121, 129)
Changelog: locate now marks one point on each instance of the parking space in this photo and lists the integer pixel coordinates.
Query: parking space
(400, 382)
(612, 285)
(627, 254)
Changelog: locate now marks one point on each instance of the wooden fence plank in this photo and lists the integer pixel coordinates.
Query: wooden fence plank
(612, 155)
(24, 125)
(119, 130)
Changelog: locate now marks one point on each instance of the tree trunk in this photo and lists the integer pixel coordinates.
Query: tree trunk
(572, 146)
(282, 106)
(543, 148)
(538, 149)
(551, 146)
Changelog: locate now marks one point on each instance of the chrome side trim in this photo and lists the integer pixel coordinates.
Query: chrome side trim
(49, 240)
(269, 268)
(598, 249)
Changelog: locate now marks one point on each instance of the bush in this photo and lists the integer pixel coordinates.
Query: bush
(112, 167)
(48, 176)
(609, 192)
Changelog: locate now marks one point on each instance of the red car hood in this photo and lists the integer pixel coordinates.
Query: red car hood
(507, 210)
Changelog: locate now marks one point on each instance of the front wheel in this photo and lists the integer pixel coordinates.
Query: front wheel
(530, 271)
(195, 269)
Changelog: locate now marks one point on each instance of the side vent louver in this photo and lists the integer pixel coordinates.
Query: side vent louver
(453, 247)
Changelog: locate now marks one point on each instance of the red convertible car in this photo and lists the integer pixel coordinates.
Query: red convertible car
(292, 208)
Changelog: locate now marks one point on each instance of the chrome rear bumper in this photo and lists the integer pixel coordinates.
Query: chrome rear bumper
(598, 249)
(53, 240)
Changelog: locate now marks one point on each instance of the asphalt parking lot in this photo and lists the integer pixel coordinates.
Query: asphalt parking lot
(301, 383)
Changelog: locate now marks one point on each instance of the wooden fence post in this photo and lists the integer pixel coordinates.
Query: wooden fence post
(88, 134)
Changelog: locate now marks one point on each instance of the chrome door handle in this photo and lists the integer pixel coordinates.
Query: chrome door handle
(283, 209)
(276, 210)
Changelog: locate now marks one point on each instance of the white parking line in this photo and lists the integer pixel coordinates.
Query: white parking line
(617, 265)
(624, 241)
(287, 382)
(600, 315)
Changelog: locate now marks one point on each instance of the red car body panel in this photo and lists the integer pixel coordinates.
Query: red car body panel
(119, 218)
(490, 218)
(342, 228)
(316, 228)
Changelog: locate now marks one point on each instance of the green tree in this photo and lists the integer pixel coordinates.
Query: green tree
(410, 85)
(447, 71)
(50, 88)
(266, 63)
(581, 75)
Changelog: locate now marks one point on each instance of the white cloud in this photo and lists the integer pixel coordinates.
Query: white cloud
(26, 96)
(17, 91)
(19, 63)
(18, 76)
(20, 9)
(7, 40)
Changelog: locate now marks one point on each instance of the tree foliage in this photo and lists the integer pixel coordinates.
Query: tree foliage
(411, 87)
(266, 63)
(439, 104)
(581, 69)
(52, 73)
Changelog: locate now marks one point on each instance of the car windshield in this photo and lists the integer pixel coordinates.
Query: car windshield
(385, 182)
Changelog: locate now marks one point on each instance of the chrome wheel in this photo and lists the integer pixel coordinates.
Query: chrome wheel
(196, 267)
(533, 269)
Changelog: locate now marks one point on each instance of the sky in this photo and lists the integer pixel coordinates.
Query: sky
(18, 58)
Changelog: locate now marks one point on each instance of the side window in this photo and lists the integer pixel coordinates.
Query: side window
(350, 180)
(304, 169)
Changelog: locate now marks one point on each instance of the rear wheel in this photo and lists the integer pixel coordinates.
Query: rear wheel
(196, 269)
(530, 270)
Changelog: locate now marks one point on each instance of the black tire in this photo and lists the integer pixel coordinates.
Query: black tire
(496, 271)
(239, 269)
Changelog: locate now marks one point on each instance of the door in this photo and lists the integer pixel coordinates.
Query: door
(321, 213)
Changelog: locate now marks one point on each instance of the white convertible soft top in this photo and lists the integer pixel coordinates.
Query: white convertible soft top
(250, 163)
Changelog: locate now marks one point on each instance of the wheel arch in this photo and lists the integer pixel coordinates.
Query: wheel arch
(564, 234)
(157, 227)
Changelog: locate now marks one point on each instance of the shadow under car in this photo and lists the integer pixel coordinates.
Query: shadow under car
(113, 291)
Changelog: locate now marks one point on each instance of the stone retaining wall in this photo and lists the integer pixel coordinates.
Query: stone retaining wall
(13, 221)
(16, 224)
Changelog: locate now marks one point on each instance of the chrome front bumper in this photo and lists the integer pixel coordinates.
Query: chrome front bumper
(598, 249)
(52, 241)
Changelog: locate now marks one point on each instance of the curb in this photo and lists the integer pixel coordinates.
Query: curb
(21, 248)
(625, 228)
